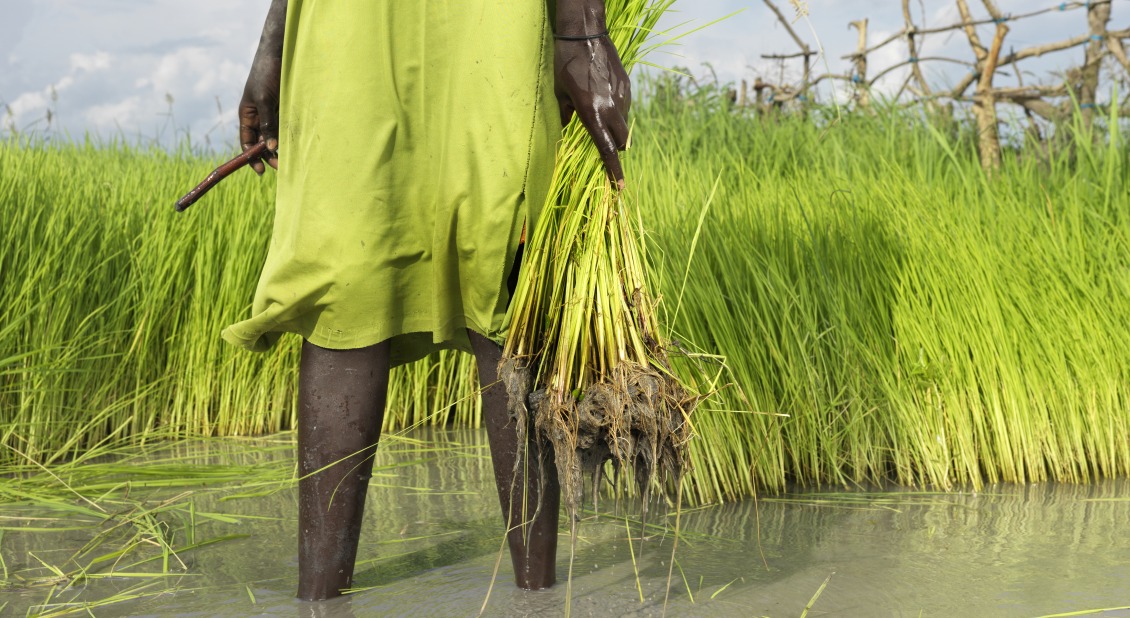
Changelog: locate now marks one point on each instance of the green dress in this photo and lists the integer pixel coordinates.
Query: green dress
(416, 141)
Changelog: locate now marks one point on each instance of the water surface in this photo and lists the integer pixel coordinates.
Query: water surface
(433, 535)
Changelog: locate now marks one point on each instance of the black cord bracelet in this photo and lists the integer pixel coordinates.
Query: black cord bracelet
(580, 37)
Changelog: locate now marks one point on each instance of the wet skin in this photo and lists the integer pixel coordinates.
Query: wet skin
(342, 392)
(341, 405)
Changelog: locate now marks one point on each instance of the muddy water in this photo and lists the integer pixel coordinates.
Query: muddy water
(433, 535)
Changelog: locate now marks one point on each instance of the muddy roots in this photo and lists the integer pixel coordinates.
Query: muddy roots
(637, 418)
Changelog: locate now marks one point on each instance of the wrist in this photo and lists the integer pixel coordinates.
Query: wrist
(271, 41)
(580, 18)
(580, 37)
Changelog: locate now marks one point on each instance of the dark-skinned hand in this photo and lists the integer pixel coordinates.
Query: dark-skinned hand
(259, 111)
(591, 81)
(259, 105)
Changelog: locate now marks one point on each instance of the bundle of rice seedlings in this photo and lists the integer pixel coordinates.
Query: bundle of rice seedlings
(584, 363)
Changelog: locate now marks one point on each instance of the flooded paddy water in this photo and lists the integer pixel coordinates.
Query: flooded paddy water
(433, 536)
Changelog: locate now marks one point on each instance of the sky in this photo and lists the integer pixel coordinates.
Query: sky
(163, 69)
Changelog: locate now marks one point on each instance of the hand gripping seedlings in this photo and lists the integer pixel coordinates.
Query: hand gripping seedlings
(585, 363)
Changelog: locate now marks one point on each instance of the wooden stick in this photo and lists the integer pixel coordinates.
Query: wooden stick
(805, 51)
(882, 73)
(1030, 92)
(1118, 51)
(986, 105)
(971, 32)
(219, 174)
(1099, 42)
(994, 12)
(862, 88)
(803, 54)
(912, 47)
(993, 60)
(971, 22)
(788, 27)
(1098, 16)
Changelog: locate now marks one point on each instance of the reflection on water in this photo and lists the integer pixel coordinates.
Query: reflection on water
(433, 535)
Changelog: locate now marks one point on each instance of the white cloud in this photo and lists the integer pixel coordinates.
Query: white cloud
(947, 14)
(28, 102)
(98, 61)
(66, 82)
(174, 69)
(221, 76)
(885, 57)
(196, 72)
(111, 116)
(31, 107)
(113, 64)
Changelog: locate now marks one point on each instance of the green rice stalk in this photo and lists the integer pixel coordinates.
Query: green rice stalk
(111, 306)
(885, 313)
(584, 361)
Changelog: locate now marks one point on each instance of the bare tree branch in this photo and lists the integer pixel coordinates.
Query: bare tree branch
(913, 49)
(787, 25)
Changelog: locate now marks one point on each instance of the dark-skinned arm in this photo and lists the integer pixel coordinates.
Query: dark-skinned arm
(591, 80)
(259, 106)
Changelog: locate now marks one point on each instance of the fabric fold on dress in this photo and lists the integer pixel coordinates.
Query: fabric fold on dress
(416, 141)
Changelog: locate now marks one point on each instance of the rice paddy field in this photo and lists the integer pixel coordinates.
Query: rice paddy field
(884, 310)
(866, 306)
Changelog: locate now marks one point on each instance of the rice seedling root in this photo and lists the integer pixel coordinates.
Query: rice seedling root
(636, 418)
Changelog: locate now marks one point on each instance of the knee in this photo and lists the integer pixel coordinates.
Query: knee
(487, 354)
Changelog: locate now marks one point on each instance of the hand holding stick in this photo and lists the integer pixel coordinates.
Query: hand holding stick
(220, 173)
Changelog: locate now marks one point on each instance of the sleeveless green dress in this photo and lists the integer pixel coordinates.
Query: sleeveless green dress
(417, 140)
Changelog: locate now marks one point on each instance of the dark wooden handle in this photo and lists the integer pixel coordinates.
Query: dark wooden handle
(219, 174)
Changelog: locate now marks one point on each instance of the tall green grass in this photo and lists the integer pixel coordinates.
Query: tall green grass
(110, 306)
(886, 312)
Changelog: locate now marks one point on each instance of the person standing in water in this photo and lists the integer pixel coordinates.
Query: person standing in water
(414, 143)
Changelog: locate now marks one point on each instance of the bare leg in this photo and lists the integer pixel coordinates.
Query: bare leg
(341, 405)
(534, 562)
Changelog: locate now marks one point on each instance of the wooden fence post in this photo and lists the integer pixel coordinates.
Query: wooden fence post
(759, 88)
(1098, 16)
(912, 47)
(988, 133)
(859, 76)
(1045, 100)
(805, 50)
(984, 101)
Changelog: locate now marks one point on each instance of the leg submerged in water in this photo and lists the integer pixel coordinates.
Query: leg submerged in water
(341, 406)
(530, 509)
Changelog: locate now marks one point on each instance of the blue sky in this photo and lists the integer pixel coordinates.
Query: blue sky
(121, 66)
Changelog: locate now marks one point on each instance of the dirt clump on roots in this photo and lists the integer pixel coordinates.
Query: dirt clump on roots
(637, 418)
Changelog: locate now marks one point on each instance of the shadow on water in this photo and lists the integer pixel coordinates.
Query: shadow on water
(433, 535)
(471, 540)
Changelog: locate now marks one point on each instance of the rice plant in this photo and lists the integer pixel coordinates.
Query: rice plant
(884, 311)
(111, 306)
(887, 312)
(585, 362)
